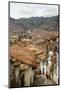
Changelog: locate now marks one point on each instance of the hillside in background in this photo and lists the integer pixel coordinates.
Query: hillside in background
(32, 23)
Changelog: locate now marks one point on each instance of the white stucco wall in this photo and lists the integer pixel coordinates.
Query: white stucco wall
(49, 61)
(17, 73)
(41, 67)
(45, 68)
(28, 77)
(56, 75)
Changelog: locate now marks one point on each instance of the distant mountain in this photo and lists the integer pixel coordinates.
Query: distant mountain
(40, 23)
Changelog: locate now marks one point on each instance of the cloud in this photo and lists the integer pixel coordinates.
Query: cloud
(23, 10)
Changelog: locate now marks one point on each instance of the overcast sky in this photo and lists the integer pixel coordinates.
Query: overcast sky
(23, 10)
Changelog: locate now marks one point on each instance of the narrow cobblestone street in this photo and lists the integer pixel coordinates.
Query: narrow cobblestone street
(42, 80)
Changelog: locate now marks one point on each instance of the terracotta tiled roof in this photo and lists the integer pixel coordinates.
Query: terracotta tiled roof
(40, 51)
(23, 55)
